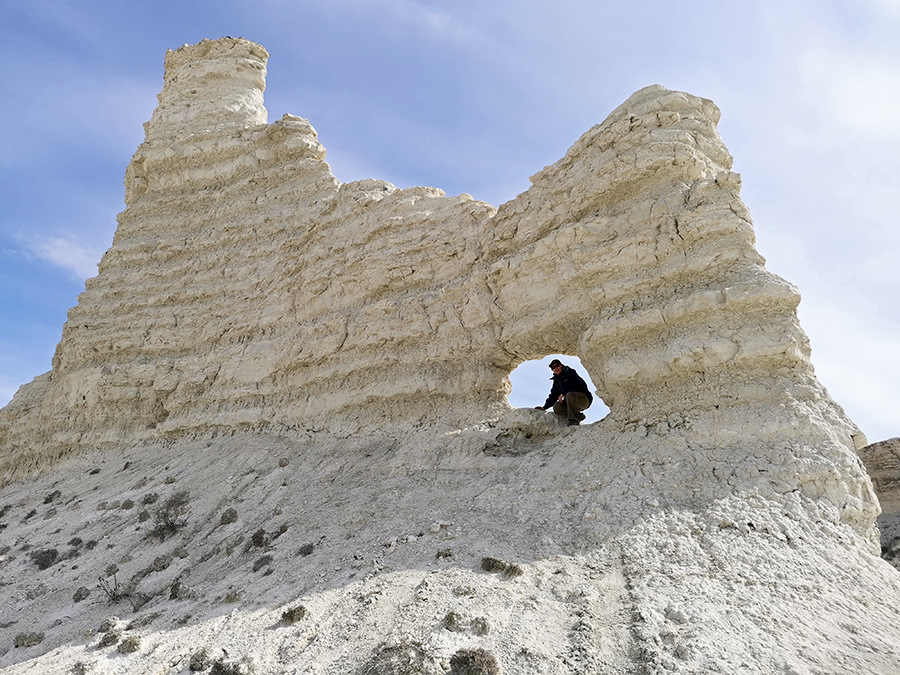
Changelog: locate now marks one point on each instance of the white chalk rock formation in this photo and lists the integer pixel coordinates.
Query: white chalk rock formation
(253, 307)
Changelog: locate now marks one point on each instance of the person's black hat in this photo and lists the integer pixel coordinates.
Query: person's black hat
(554, 363)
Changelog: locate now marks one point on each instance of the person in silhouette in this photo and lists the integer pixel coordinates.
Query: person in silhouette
(569, 394)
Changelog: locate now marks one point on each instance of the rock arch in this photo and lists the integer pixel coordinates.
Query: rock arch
(248, 288)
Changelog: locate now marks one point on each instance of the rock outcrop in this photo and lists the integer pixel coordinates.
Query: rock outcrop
(882, 460)
(252, 306)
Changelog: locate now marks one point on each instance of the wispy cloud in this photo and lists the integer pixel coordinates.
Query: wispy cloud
(77, 258)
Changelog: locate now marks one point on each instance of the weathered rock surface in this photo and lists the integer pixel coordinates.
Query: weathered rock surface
(882, 460)
(330, 361)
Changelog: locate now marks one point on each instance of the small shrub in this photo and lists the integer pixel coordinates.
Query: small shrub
(149, 498)
(53, 495)
(28, 639)
(306, 549)
(130, 644)
(406, 658)
(283, 462)
(171, 516)
(444, 553)
(110, 638)
(143, 516)
(44, 558)
(161, 562)
(259, 539)
(493, 565)
(473, 662)
(127, 504)
(178, 591)
(199, 661)
(82, 593)
(232, 597)
(497, 566)
(108, 624)
(264, 561)
(293, 615)
(169, 480)
(228, 516)
(220, 667)
(454, 622)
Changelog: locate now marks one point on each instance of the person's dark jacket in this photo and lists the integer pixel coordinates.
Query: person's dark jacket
(567, 381)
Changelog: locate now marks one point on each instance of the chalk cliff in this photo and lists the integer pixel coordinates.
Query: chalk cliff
(253, 308)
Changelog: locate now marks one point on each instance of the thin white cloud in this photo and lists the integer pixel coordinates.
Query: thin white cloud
(77, 258)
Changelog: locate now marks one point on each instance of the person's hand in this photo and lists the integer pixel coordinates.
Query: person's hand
(538, 407)
(562, 398)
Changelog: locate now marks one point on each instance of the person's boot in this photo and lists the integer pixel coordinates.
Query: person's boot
(573, 423)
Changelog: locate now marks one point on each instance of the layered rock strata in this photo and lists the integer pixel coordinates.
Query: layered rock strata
(882, 461)
(367, 333)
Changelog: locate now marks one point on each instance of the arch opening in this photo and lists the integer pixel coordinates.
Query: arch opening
(530, 382)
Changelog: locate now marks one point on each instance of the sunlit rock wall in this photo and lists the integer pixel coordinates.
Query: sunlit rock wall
(247, 288)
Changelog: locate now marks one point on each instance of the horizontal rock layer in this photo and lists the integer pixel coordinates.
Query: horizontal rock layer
(365, 334)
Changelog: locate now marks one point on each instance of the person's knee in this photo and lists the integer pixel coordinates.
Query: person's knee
(578, 400)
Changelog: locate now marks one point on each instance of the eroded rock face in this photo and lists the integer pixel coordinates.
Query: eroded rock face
(882, 461)
(247, 288)
(337, 355)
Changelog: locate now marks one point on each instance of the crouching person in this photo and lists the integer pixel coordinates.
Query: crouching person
(569, 394)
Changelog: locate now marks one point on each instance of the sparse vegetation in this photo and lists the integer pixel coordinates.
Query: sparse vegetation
(199, 661)
(406, 658)
(44, 558)
(116, 593)
(223, 667)
(264, 561)
(82, 593)
(497, 566)
(28, 639)
(305, 550)
(259, 539)
(110, 638)
(171, 516)
(293, 615)
(452, 621)
(228, 516)
(473, 662)
(161, 562)
(130, 644)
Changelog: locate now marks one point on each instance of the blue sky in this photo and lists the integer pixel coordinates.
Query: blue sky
(475, 97)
